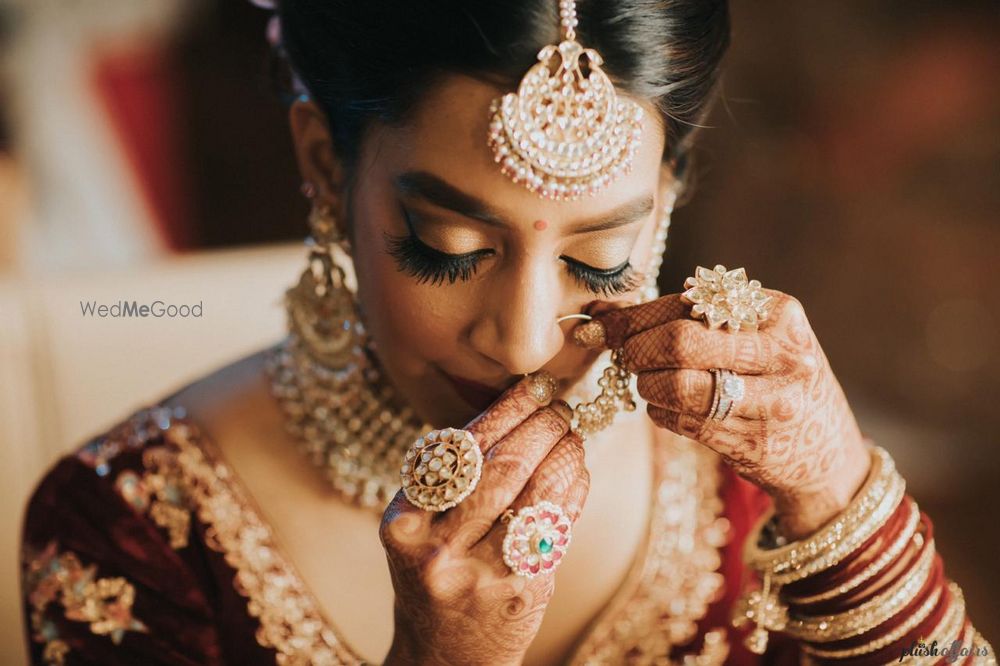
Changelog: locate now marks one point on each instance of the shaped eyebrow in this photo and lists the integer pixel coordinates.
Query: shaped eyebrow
(436, 190)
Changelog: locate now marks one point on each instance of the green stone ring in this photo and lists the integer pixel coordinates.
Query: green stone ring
(537, 539)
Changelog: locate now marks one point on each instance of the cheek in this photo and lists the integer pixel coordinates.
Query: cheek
(412, 324)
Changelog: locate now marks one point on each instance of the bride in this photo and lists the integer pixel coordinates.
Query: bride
(482, 393)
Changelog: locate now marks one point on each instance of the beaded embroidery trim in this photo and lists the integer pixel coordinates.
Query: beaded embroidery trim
(291, 621)
(674, 583)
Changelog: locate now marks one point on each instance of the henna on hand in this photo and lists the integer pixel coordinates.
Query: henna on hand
(457, 602)
(793, 432)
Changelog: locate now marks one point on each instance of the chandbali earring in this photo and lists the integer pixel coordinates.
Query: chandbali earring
(325, 376)
(614, 381)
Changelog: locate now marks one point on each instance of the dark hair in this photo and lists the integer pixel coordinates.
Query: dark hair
(363, 60)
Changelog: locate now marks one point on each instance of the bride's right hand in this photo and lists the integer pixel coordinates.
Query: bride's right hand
(457, 602)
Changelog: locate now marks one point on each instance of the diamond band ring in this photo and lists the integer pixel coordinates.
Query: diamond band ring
(729, 389)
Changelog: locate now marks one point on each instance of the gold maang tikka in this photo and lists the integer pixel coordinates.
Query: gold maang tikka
(565, 133)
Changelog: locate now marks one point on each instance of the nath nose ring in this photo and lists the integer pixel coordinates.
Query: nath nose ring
(579, 315)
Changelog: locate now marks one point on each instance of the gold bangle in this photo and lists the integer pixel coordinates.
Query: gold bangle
(874, 504)
(906, 627)
(872, 613)
(948, 629)
(979, 640)
(884, 559)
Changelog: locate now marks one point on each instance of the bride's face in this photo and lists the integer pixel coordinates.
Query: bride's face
(462, 273)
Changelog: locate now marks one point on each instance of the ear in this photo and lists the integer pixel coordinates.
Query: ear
(318, 161)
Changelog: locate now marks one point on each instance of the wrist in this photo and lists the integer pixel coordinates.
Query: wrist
(405, 653)
(804, 511)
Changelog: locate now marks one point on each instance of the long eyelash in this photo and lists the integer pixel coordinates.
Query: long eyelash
(426, 264)
(430, 265)
(618, 280)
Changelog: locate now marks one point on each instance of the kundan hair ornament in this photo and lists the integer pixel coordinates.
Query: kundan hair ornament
(565, 132)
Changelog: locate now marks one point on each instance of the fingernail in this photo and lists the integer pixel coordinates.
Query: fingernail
(563, 409)
(542, 386)
(590, 335)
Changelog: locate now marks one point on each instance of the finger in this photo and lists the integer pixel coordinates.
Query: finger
(693, 392)
(610, 329)
(720, 436)
(735, 439)
(788, 315)
(562, 478)
(558, 478)
(512, 408)
(405, 528)
(402, 520)
(506, 469)
(687, 343)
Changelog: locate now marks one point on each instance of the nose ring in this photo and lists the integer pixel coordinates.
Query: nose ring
(579, 315)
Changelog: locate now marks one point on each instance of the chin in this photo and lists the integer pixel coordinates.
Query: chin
(437, 408)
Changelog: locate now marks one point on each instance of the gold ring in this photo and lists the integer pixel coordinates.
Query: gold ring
(441, 469)
(726, 298)
(536, 540)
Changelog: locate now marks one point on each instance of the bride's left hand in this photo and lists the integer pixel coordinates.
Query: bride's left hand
(792, 433)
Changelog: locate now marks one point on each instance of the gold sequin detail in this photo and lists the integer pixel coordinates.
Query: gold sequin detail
(104, 603)
(542, 386)
(160, 492)
(672, 586)
(590, 335)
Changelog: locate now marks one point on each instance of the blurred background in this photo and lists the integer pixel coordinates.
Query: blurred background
(853, 161)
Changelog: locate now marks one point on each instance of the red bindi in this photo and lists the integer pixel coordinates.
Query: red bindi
(541, 225)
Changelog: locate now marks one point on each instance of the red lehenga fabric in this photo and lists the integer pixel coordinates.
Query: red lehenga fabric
(142, 548)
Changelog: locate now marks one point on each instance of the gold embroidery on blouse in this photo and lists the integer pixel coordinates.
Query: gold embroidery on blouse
(141, 428)
(669, 590)
(160, 491)
(290, 619)
(104, 603)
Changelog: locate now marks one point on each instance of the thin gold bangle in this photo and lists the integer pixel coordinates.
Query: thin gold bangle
(876, 500)
(850, 542)
(979, 640)
(906, 627)
(888, 556)
(951, 626)
(872, 613)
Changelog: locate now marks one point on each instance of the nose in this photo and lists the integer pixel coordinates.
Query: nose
(518, 328)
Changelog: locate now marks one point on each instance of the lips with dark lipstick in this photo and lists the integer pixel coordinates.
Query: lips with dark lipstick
(477, 395)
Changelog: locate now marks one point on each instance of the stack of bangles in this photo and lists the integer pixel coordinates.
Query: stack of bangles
(867, 588)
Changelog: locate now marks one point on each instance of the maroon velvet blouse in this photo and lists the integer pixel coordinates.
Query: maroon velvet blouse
(142, 547)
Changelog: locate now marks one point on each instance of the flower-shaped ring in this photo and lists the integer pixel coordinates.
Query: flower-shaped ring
(723, 297)
(536, 540)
